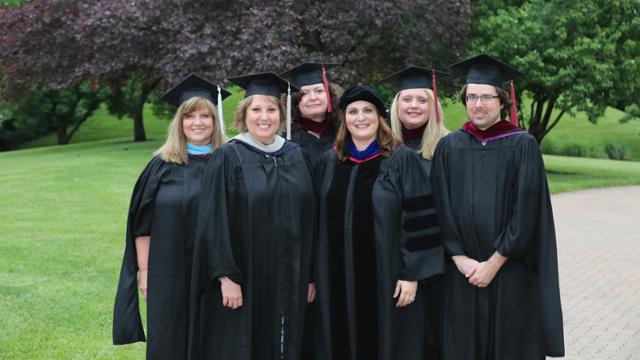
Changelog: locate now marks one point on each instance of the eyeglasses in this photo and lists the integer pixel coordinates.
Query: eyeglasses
(483, 98)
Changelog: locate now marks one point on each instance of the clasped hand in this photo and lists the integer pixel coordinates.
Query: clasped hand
(480, 274)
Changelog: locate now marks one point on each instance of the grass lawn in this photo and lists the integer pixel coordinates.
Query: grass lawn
(61, 243)
(572, 136)
(62, 239)
(571, 173)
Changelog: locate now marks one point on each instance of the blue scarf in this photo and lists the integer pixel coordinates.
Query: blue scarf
(198, 150)
(372, 151)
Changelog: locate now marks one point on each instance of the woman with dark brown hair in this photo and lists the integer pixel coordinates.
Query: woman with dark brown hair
(373, 241)
(315, 119)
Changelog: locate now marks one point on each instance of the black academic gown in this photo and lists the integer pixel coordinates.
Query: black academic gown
(377, 225)
(314, 146)
(494, 196)
(164, 205)
(431, 288)
(257, 231)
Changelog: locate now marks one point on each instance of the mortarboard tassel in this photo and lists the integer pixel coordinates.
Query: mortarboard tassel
(435, 95)
(288, 111)
(220, 117)
(513, 114)
(326, 88)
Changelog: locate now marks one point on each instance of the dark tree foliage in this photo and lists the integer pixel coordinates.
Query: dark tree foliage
(375, 38)
(68, 109)
(135, 47)
(57, 44)
(41, 111)
(368, 38)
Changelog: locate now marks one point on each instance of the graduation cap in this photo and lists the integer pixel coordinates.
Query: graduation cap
(267, 83)
(415, 77)
(362, 92)
(487, 70)
(309, 74)
(195, 85)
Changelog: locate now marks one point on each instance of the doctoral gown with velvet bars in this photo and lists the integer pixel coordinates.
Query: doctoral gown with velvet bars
(377, 225)
(431, 288)
(256, 230)
(314, 146)
(493, 196)
(164, 205)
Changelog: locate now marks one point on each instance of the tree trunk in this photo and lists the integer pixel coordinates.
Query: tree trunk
(138, 121)
(539, 125)
(63, 138)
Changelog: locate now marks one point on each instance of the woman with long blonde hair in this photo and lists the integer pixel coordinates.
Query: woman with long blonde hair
(161, 225)
(417, 120)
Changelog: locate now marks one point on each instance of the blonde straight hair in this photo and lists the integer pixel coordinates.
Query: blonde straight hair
(432, 134)
(174, 149)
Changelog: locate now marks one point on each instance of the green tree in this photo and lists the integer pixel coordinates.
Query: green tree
(576, 55)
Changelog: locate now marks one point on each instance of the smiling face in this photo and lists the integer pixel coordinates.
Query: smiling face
(198, 126)
(313, 102)
(413, 108)
(262, 118)
(362, 121)
(483, 113)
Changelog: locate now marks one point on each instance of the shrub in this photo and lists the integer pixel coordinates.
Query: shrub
(616, 151)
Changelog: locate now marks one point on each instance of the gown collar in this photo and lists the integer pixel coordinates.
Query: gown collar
(314, 126)
(198, 150)
(371, 152)
(499, 130)
(274, 147)
(413, 134)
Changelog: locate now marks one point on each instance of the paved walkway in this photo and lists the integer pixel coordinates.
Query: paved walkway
(598, 234)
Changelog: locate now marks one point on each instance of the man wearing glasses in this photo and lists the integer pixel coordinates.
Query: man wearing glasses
(502, 299)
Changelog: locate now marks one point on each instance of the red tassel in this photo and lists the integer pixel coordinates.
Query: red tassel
(513, 115)
(326, 88)
(435, 94)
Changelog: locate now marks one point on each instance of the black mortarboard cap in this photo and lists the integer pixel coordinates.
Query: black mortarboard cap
(485, 69)
(192, 86)
(267, 83)
(362, 92)
(413, 77)
(306, 74)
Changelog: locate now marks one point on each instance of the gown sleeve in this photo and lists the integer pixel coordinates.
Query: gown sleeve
(319, 169)
(127, 324)
(213, 234)
(440, 182)
(422, 251)
(314, 238)
(531, 196)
